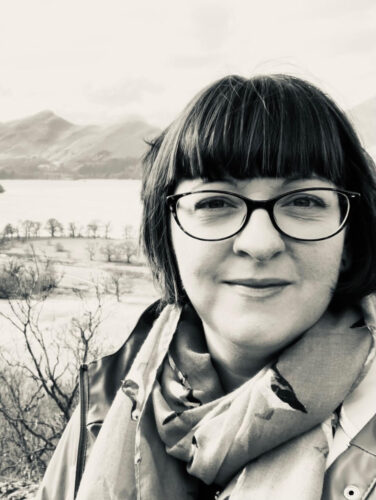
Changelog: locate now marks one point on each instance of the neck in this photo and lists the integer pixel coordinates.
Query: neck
(234, 363)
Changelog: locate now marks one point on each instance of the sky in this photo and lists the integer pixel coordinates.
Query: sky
(102, 61)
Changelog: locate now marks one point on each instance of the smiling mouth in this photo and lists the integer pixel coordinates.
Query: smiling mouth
(261, 288)
(259, 283)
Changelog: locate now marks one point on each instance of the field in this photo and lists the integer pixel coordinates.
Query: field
(80, 271)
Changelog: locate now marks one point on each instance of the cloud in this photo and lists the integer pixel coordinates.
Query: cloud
(131, 90)
(151, 57)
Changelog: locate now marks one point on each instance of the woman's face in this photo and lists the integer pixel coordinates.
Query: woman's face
(257, 290)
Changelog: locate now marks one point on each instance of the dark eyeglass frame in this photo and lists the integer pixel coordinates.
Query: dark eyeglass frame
(267, 205)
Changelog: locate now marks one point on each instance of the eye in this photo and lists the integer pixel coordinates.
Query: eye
(213, 203)
(303, 200)
(218, 202)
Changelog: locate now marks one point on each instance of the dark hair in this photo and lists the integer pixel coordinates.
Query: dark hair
(266, 126)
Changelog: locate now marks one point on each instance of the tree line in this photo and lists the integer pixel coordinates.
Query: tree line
(54, 228)
(120, 251)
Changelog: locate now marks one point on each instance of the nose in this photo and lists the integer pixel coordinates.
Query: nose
(259, 238)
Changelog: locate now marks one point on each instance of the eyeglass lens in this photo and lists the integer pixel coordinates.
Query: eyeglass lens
(307, 215)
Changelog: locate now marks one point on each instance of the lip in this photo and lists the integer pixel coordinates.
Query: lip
(259, 283)
(258, 289)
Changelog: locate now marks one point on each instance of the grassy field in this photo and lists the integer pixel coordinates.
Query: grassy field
(71, 257)
(79, 275)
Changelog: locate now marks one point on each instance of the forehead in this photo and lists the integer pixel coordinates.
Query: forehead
(264, 186)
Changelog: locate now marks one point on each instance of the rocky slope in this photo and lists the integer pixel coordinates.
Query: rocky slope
(47, 146)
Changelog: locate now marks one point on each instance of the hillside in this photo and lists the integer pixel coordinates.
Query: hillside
(47, 146)
(364, 118)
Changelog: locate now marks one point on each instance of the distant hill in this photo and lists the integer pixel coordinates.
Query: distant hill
(363, 117)
(47, 146)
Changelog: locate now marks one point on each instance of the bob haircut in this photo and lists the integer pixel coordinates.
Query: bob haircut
(265, 126)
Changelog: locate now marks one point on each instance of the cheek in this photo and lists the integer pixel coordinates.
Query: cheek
(320, 262)
(197, 260)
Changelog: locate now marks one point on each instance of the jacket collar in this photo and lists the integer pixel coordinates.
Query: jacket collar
(366, 438)
(105, 375)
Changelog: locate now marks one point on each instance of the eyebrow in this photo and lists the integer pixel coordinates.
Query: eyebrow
(205, 180)
(229, 180)
(298, 177)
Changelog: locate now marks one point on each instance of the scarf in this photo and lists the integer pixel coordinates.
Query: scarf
(267, 439)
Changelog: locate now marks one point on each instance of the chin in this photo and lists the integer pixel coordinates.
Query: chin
(258, 333)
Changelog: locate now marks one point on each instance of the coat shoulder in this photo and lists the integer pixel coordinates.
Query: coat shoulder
(104, 377)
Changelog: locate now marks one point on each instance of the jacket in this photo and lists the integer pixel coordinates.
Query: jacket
(351, 476)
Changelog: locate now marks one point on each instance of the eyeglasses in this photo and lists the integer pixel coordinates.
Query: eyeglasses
(303, 214)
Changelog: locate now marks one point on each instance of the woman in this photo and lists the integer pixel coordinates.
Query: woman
(252, 377)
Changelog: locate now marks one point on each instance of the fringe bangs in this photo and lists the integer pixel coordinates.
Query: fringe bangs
(246, 129)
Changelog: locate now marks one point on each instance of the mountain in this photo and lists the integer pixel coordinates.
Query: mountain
(47, 146)
(363, 116)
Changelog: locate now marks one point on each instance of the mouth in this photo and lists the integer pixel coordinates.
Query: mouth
(259, 283)
(258, 288)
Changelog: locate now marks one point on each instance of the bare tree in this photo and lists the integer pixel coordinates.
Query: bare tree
(54, 227)
(85, 327)
(80, 231)
(35, 228)
(129, 245)
(107, 229)
(92, 229)
(110, 251)
(128, 231)
(30, 228)
(9, 231)
(26, 296)
(39, 392)
(73, 230)
(26, 228)
(91, 248)
(117, 284)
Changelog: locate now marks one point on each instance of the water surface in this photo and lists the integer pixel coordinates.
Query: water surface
(80, 201)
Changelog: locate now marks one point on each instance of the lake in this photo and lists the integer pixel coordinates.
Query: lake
(80, 201)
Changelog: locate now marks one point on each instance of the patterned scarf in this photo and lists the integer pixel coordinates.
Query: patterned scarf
(264, 440)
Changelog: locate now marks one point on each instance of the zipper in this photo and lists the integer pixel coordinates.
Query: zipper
(82, 443)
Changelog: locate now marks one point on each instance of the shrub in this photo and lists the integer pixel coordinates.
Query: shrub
(59, 247)
(22, 280)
